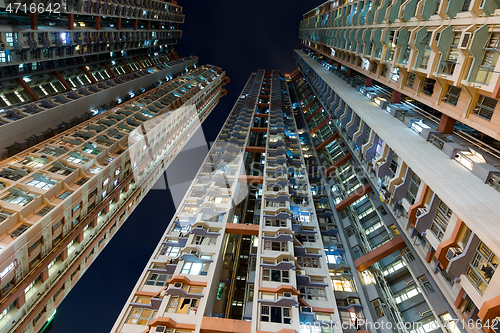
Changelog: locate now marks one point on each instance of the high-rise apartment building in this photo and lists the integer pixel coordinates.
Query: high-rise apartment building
(401, 101)
(62, 200)
(244, 251)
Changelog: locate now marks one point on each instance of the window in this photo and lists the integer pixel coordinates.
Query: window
(343, 285)
(194, 268)
(81, 181)
(276, 275)
(155, 279)
(391, 268)
(406, 294)
(75, 272)
(64, 195)
(183, 305)
(485, 107)
(35, 245)
(441, 220)
(250, 292)
(140, 316)
(38, 316)
(9, 38)
(77, 207)
(276, 314)
(202, 240)
(452, 95)
(18, 199)
(57, 240)
(44, 211)
(77, 159)
(308, 262)
(411, 195)
(410, 80)
(105, 182)
(275, 246)
(379, 310)
(44, 184)
(313, 293)
(171, 251)
(57, 225)
(275, 223)
(490, 59)
(482, 267)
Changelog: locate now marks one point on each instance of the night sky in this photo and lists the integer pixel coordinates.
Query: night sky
(240, 37)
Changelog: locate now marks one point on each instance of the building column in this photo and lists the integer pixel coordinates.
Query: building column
(135, 24)
(71, 21)
(311, 116)
(64, 254)
(250, 179)
(34, 21)
(430, 255)
(460, 298)
(351, 72)
(118, 23)
(21, 300)
(380, 253)
(307, 96)
(28, 89)
(139, 62)
(368, 81)
(325, 143)
(339, 66)
(110, 71)
(127, 187)
(45, 275)
(117, 197)
(126, 66)
(80, 237)
(250, 149)
(88, 74)
(446, 124)
(94, 220)
(353, 197)
(62, 80)
(323, 123)
(395, 97)
(106, 209)
(338, 164)
(97, 23)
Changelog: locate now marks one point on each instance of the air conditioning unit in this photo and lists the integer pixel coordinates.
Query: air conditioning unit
(287, 294)
(178, 285)
(464, 43)
(452, 252)
(305, 309)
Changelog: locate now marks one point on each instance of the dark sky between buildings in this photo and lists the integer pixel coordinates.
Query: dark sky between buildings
(240, 37)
